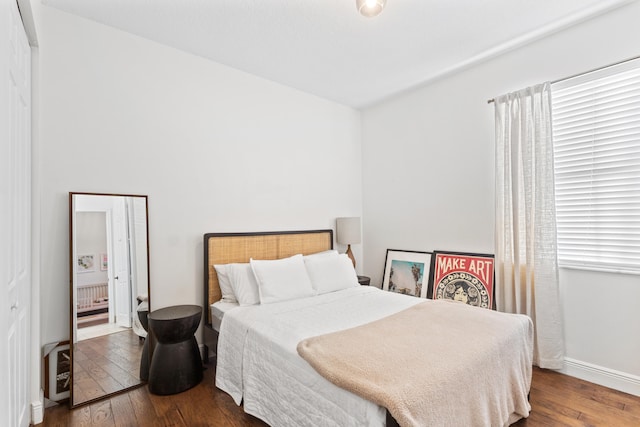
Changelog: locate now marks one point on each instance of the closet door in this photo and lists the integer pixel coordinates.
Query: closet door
(15, 216)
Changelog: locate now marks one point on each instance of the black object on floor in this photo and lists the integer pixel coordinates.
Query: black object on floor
(176, 365)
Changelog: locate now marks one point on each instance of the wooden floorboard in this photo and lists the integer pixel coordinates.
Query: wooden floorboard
(566, 401)
(106, 364)
(556, 400)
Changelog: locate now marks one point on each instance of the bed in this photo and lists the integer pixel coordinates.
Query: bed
(309, 360)
(93, 299)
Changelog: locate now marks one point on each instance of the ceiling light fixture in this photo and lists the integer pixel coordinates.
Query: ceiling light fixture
(370, 8)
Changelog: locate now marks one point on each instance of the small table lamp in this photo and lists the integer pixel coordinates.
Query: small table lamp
(348, 233)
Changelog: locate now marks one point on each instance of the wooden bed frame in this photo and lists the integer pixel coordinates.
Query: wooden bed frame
(226, 248)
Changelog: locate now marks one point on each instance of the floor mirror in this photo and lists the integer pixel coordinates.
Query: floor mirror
(109, 293)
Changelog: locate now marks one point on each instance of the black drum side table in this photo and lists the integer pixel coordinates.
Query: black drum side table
(364, 280)
(175, 364)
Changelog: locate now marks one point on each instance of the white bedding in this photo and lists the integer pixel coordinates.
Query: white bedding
(258, 361)
(218, 309)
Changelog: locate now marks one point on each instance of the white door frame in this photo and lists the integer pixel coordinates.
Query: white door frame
(121, 264)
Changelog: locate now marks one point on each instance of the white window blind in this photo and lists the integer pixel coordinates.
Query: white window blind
(596, 133)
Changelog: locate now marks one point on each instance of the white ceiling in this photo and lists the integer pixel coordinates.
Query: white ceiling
(324, 47)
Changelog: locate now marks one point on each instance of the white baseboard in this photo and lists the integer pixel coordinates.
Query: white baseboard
(37, 410)
(616, 380)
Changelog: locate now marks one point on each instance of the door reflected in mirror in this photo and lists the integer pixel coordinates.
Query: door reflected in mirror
(109, 277)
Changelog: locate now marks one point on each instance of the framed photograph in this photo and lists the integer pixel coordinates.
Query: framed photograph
(464, 277)
(104, 262)
(57, 373)
(86, 263)
(405, 272)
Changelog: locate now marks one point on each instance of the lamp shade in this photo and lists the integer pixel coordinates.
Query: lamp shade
(348, 230)
(370, 8)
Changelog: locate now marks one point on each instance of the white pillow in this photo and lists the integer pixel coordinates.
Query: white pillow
(282, 279)
(329, 274)
(243, 283)
(225, 284)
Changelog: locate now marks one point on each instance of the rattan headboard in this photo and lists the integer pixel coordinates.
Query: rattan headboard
(225, 248)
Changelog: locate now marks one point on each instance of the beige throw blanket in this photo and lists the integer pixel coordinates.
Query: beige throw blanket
(438, 363)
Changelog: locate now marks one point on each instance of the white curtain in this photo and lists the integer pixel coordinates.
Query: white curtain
(526, 246)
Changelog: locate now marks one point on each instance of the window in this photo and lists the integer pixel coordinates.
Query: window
(596, 133)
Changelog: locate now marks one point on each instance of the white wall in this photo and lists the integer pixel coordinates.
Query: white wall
(428, 173)
(91, 239)
(215, 150)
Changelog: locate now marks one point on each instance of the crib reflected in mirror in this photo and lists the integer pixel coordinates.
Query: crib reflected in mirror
(109, 294)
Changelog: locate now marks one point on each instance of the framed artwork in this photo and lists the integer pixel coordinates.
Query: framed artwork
(406, 272)
(464, 277)
(104, 262)
(57, 366)
(86, 263)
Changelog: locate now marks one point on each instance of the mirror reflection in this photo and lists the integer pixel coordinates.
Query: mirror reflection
(109, 294)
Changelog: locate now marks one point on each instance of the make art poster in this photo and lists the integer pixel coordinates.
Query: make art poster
(463, 277)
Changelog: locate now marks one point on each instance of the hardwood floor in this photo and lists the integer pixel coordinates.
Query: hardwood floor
(556, 400)
(106, 364)
(560, 400)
